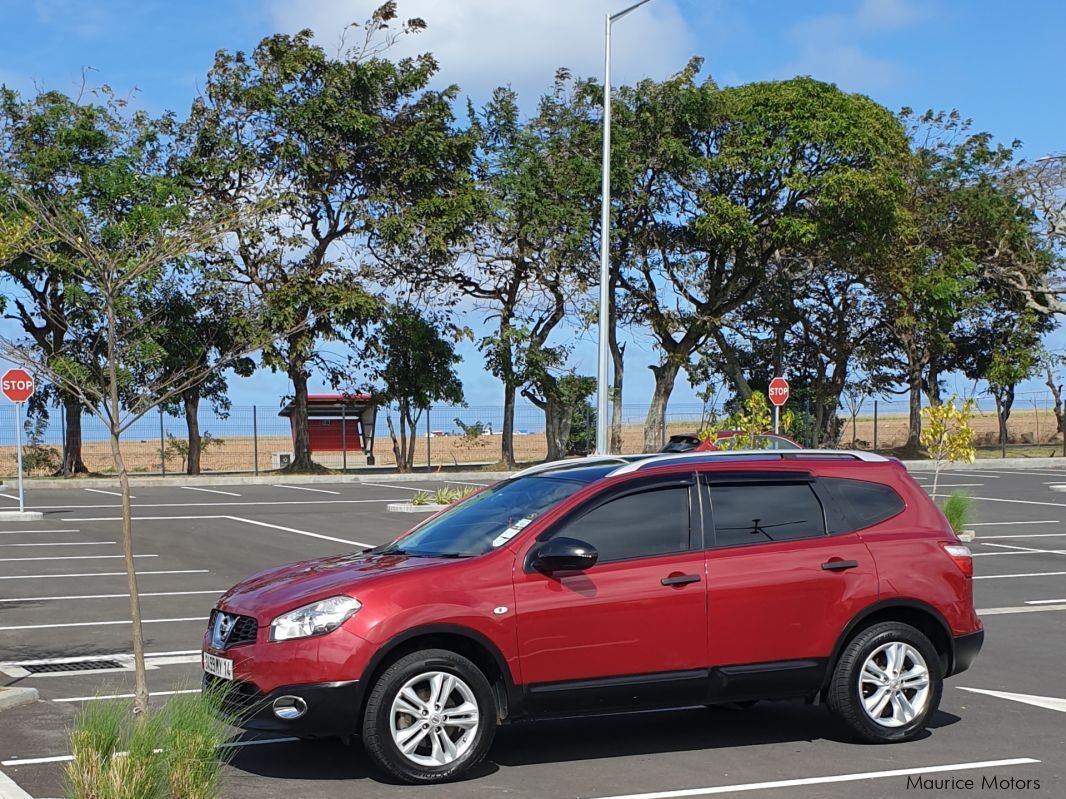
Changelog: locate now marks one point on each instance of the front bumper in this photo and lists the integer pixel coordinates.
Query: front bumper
(332, 707)
(966, 649)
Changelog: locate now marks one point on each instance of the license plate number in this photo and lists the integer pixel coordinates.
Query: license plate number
(218, 667)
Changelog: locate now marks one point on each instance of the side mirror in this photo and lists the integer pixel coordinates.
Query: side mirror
(564, 554)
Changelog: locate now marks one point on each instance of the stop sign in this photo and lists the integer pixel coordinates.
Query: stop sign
(17, 385)
(779, 391)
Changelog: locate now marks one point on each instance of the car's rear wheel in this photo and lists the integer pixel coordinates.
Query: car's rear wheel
(430, 717)
(887, 683)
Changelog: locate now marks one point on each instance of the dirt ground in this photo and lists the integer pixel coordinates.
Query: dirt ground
(236, 453)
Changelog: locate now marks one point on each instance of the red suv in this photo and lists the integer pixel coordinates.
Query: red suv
(612, 584)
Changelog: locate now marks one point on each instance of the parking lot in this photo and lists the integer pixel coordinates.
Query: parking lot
(63, 602)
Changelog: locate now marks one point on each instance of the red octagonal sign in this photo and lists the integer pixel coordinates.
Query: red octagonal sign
(17, 385)
(779, 391)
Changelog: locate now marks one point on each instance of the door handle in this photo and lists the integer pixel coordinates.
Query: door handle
(680, 579)
(839, 565)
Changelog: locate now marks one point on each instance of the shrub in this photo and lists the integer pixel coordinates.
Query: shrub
(959, 510)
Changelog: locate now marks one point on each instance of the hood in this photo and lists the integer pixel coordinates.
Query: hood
(285, 587)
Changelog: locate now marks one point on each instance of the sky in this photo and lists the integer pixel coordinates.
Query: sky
(1000, 66)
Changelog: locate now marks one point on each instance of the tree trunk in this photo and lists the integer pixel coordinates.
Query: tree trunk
(301, 444)
(397, 452)
(558, 419)
(191, 400)
(618, 357)
(507, 439)
(1056, 394)
(734, 371)
(655, 423)
(72, 462)
(914, 422)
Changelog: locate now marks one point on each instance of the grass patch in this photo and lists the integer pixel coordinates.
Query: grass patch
(959, 510)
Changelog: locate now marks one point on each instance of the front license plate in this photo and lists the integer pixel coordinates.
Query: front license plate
(218, 667)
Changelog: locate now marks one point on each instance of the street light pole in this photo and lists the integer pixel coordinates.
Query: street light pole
(602, 370)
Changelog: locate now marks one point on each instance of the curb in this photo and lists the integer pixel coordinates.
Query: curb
(14, 697)
(410, 507)
(990, 464)
(238, 479)
(20, 516)
(10, 790)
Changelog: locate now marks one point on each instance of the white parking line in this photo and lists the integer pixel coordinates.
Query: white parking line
(1015, 501)
(62, 544)
(958, 485)
(83, 658)
(101, 491)
(996, 554)
(1047, 473)
(32, 761)
(952, 473)
(209, 490)
(124, 696)
(24, 532)
(8, 496)
(235, 519)
(110, 596)
(461, 483)
(1019, 609)
(400, 488)
(1002, 524)
(304, 488)
(1027, 549)
(249, 504)
(1027, 535)
(836, 778)
(1047, 702)
(73, 557)
(97, 623)
(1045, 601)
(99, 574)
(1026, 574)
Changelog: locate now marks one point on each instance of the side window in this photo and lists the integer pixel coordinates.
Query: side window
(640, 525)
(761, 512)
(863, 504)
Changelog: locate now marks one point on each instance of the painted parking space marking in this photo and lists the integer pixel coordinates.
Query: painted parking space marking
(1045, 601)
(1019, 609)
(100, 574)
(1015, 547)
(36, 532)
(105, 697)
(1023, 535)
(304, 488)
(8, 496)
(73, 557)
(83, 658)
(958, 485)
(1048, 702)
(1025, 574)
(1023, 521)
(32, 761)
(209, 490)
(141, 594)
(1015, 501)
(101, 491)
(255, 522)
(835, 778)
(247, 504)
(97, 623)
(61, 544)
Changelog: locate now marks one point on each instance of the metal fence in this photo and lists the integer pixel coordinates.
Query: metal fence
(254, 438)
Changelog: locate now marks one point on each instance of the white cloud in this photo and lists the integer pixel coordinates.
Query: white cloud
(830, 47)
(481, 44)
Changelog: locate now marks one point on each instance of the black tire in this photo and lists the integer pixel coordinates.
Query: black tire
(845, 697)
(377, 732)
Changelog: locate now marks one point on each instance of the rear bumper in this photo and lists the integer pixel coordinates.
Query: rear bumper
(332, 707)
(966, 649)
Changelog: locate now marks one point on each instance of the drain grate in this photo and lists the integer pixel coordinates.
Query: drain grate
(81, 665)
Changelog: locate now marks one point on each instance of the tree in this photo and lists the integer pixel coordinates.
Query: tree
(744, 182)
(51, 145)
(415, 365)
(194, 323)
(947, 435)
(335, 153)
(129, 226)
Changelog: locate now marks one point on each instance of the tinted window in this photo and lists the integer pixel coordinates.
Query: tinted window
(651, 522)
(681, 444)
(755, 514)
(863, 504)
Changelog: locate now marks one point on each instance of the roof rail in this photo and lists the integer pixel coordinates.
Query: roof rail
(753, 454)
(571, 463)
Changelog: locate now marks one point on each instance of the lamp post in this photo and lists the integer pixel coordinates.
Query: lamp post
(602, 370)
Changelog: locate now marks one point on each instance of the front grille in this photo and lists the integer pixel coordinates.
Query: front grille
(243, 631)
(80, 665)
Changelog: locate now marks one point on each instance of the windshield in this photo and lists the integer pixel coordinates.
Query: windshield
(487, 520)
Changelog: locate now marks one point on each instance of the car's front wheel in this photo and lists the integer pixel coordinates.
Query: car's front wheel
(430, 717)
(887, 683)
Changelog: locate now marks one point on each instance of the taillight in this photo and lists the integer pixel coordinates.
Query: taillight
(961, 556)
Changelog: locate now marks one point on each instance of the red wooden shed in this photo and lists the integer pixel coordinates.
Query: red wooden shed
(339, 424)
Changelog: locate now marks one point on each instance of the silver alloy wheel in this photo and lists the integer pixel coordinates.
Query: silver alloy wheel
(434, 719)
(894, 684)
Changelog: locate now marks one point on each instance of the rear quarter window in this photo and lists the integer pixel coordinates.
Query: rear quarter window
(861, 503)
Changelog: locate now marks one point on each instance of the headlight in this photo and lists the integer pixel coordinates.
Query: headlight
(318, 618)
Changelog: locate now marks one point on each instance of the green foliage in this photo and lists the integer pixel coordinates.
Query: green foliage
(947, 434)
(37, 457)
(582, 439)
(473, 435)
(178, 448)
(442, 496)
(959, 509)
(749, 422)
(170, 753)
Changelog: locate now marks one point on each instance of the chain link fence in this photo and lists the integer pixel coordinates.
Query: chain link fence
(255, 439)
